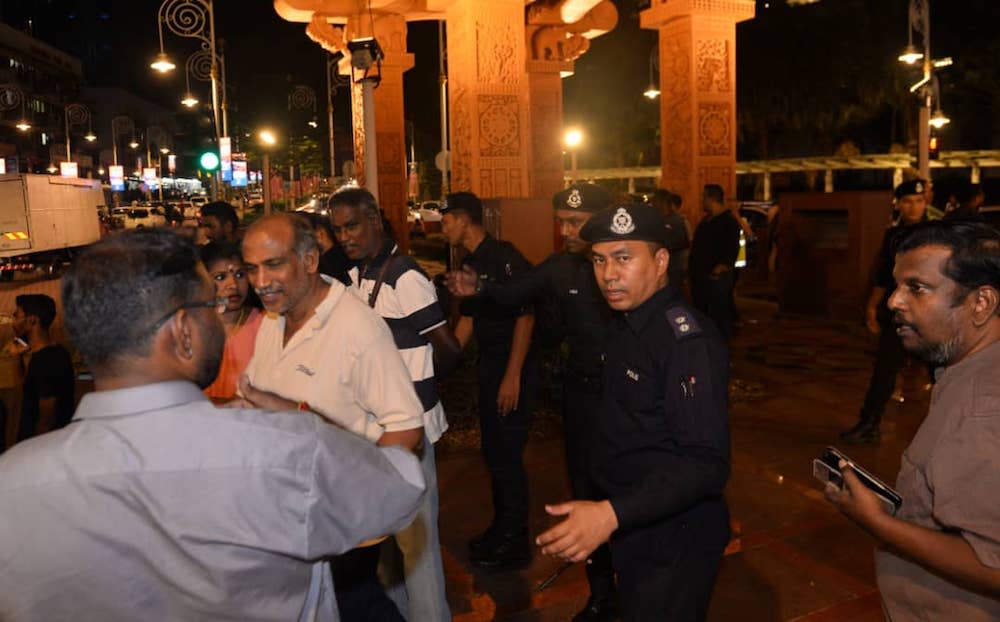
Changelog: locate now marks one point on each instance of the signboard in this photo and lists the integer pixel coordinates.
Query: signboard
(3, 166)
(68, 169)
(149, 177)
(226, 158)
(239, 174)
(117, 176)
(172, 163)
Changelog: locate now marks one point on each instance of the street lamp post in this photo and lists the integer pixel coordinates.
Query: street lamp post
(572, 139)
(193, 19)
(927, 86)
(267, 140)
(333, 80)
(75, 114)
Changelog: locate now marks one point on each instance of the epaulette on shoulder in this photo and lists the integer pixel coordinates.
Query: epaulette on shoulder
(682, 322)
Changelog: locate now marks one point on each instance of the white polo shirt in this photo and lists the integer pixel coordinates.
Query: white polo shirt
(343, 363)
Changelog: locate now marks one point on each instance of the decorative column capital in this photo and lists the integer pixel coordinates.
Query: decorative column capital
(660, 12)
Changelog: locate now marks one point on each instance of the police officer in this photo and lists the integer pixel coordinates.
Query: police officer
(507, 371)
(911, 207)
(660, 453)
(566, 282)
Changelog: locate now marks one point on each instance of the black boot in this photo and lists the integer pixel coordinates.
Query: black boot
(864, 433)
(508, 550)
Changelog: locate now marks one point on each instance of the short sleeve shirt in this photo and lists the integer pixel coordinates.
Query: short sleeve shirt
(950, 481)
(343, 363)
(496, 262)
(49, 375)
(408, 303)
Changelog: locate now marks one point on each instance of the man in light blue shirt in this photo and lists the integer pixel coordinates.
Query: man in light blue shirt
(152, 503)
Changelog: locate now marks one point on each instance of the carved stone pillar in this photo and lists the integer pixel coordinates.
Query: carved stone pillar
(488, 98)
(697, 93)
(390, 129)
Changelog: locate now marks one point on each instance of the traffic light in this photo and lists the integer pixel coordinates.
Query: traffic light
(209, 160)
(934, 148)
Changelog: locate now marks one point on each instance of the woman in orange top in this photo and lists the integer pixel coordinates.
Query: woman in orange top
(241, 318)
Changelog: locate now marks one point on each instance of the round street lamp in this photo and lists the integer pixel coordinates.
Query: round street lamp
(189, 100)
(23, 125)
(134, 144)
(572, 138)
(162, 63)
(910, 55)
(938, 119)
(90, 137)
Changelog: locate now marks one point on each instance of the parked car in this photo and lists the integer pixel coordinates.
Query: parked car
(140, 217)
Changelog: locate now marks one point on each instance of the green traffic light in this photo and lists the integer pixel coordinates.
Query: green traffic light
(209, 161)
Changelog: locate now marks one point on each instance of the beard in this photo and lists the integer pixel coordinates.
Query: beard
(938, 353)
(214, 342)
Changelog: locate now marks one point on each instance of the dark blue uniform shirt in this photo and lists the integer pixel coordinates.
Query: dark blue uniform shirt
(661, 442)
(496, 262)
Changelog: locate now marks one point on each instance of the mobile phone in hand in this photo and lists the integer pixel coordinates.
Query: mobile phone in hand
(827, 470)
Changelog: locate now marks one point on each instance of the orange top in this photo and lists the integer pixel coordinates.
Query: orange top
(235, 356)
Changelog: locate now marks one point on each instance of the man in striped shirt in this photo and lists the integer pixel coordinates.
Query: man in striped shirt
(399, 291)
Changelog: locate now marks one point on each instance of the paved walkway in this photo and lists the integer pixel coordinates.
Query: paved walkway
(797, 383)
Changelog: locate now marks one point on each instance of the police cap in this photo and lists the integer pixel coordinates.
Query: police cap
(589, 198)
(635, 221)
(463, 202)
(914, 186)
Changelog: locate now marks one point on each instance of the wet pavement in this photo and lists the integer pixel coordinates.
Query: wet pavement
(797, 382)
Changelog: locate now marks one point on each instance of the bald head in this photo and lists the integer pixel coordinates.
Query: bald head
(282, 259)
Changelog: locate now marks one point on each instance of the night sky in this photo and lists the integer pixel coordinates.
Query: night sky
(266, 56)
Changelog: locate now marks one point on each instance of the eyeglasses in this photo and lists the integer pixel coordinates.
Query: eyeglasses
(219, 304)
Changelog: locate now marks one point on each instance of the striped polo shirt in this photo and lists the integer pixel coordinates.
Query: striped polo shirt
(409, 305)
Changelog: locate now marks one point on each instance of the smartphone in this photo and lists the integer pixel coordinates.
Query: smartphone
(827, 469)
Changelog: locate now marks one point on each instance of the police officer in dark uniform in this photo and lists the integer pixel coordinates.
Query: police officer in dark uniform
(660, 453)
(507, 372)
(911, 208)
(566, 281)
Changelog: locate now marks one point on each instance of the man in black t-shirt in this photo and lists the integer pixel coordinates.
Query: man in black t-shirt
(48, 382)
(714, 250)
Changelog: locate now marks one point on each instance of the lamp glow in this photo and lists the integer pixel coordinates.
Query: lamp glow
(163, 64)
(267, 137)
(133, 145)
(189, 100)
(910, 55)
(90, 137)
(652, 92)
(573, 138)
(23, 125)
(938, 119)
(52, 168)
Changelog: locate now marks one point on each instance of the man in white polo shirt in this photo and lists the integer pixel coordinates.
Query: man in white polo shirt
(324, 350)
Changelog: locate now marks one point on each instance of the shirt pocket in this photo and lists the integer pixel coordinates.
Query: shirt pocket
(636, 391)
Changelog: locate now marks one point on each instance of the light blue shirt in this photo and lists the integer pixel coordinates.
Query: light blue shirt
(153, 504)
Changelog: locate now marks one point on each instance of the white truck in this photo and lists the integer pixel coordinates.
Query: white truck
(44, 218)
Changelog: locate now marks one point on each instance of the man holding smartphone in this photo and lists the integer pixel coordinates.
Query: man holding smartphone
(939, 558)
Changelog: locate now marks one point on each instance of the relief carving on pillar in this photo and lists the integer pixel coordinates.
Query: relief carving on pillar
(461, 141)
(390, 153)
(551, 39)
(496, 52)
(675, 54)
(358, 123)
(722, 175)
(713, 66)
(714, 137)
(499, 126)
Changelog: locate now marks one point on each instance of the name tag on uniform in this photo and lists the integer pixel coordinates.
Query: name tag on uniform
(632, 374)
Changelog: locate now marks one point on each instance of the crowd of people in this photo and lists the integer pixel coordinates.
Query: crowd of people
(260, 443)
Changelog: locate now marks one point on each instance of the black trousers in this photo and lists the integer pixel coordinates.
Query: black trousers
(503, 439)
(581, 406)
(889, 359)
(360, 595)
(668, 571)
(714, 298)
